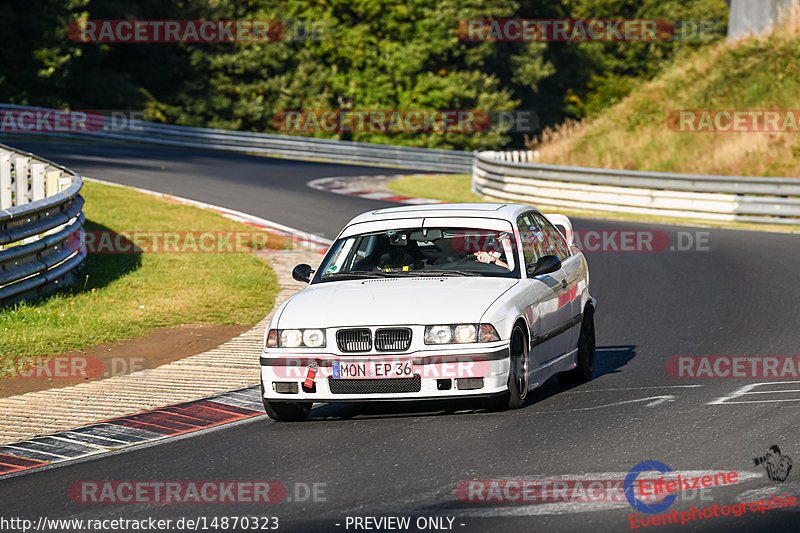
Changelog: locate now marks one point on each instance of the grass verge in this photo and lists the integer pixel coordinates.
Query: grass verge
(445, 187)
(125, 295)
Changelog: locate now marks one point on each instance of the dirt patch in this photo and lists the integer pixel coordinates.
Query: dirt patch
(158, 347)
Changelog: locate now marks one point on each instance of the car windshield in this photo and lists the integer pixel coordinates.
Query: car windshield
(421, 252)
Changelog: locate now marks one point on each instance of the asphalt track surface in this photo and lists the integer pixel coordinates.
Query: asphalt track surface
(739, 297)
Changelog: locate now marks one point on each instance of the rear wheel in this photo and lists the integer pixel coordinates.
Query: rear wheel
(517, 392)
(586, 351)
(287, 411)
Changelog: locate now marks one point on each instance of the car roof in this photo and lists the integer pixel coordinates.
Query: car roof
(508, 212)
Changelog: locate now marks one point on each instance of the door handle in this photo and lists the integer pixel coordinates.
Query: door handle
(564, 283)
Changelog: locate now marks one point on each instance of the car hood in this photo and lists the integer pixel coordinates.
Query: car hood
(387, 301)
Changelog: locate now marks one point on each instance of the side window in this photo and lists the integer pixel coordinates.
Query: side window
(555, 244)
(531, 237)
(337, 260)
(367, 252)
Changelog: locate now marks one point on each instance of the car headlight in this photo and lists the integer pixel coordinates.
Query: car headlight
(438, 334)
(464, 334)
(291, 338)
(460, 334)
(272, 338)
(296, 338)
(487, 333)
(313, 338)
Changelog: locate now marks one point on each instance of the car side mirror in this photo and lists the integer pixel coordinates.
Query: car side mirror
(545, 265)
(302, 272)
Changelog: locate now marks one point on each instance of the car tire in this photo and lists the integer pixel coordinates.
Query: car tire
(287, 411)
(586, 351)
(517, 392)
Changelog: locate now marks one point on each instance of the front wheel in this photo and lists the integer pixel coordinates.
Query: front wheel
(586, 351)
(287, 411)
(517, 392)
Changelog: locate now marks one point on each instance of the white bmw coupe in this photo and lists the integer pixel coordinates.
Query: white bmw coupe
(431, 302)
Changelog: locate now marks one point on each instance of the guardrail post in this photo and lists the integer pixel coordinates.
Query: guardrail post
(5, 180)
(52, 177)
(20, 165)
(37, 181)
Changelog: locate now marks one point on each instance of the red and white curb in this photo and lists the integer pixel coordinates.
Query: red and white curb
(116, 433)
(298, 238)
(372, 187)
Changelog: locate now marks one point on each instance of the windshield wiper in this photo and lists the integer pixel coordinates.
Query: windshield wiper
(444, 273)
(358, 274)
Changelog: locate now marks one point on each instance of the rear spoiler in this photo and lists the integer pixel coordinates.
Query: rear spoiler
(564, 225)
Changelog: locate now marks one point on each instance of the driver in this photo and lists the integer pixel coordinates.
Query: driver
(504, 239)
(491, 257)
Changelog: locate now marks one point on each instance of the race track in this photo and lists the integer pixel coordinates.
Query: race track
(738, 297)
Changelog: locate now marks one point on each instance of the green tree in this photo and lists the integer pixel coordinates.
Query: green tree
(371, 55)
(600, 74)
(35, 52)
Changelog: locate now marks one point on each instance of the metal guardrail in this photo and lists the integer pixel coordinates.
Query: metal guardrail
(753, 17)
(504, 176)
(289, 146)
(509, 176)
(41, 225)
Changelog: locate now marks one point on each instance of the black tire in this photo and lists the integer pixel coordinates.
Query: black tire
(287, 411)
(517, 392)
(586, 351)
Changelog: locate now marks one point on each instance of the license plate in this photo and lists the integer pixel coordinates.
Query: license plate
(372, 369)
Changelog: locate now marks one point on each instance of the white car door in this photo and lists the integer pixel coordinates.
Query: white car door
(550, 309)
(572, 272)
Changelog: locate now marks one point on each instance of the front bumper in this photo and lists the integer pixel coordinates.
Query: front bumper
(487, 364)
